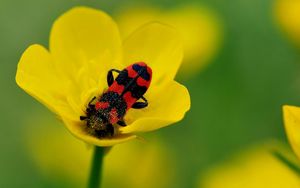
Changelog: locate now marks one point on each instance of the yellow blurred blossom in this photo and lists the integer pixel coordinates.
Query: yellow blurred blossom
(255, 168)
(60, 157)
(200, 28)
(84, 45)
(287, 13)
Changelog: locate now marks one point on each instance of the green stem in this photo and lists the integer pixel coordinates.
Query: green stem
(96, 168)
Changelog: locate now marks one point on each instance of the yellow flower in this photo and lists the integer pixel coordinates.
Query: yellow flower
(255, 168)
(84, 45)
(287, 13)
(292, 126)
(60, 157)
(199, 27)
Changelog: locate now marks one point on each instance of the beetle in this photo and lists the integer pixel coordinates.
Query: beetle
(123, 93)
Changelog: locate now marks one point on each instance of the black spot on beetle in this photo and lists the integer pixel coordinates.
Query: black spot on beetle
(130, 85)
(142, 71)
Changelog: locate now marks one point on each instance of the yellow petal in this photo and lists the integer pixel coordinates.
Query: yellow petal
(157, 45)
(292, 126)
(84, 34)
(37, 76)
(78, 129)
(166, 106)
(85, 44)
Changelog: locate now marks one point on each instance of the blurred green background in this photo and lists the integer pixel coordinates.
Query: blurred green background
(236, 100)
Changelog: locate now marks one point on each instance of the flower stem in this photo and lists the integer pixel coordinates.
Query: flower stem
(96, 168)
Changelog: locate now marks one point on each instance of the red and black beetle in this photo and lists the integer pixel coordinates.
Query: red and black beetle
(123, 92)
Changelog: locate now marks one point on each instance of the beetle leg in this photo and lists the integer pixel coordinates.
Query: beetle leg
(110, 129)
(122, 123)
(110, 76)
(140, 105)
(90, 103)
(83, 118)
